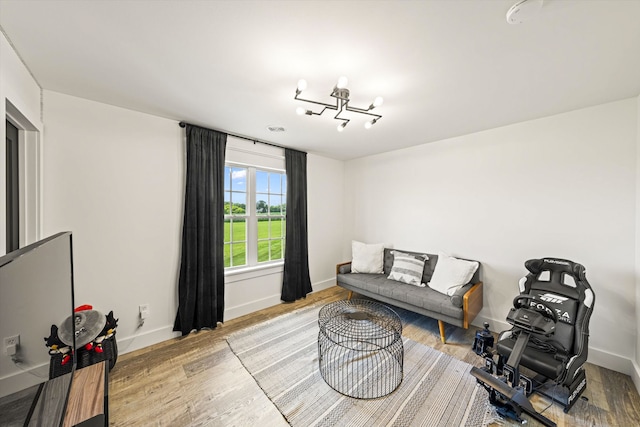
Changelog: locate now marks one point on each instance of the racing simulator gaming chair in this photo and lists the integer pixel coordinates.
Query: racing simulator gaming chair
(549, 337)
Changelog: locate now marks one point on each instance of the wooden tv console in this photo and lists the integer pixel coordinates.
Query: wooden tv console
(88, 403)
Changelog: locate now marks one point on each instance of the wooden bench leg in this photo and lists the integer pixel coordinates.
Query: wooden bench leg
(441, 325)
(350, 295)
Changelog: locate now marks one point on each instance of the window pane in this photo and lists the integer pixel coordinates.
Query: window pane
(263, 229)
(276, 249)
(238, 179)
(238, 203)
(284, 184)
(262, 205)
(262, 182)
(275, 204)
(239, 254)
(276, 228)
(263, 250)
(274, 183)
(239, 230)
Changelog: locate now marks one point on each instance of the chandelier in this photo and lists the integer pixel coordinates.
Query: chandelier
(341, 94)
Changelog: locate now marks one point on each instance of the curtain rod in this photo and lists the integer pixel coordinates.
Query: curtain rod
(183, 124)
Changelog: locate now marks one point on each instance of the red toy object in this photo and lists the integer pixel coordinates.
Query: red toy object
(83, 307)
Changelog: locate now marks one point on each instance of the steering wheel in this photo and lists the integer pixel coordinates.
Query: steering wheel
(545, 311)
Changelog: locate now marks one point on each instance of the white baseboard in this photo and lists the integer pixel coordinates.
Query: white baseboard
(270, 301)
(635, 375)
(610, 361)
(251, 306)
(28, 377)
(325, 284)
(596, 356)
(145, 339)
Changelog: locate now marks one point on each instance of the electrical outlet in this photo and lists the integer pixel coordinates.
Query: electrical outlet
(144, 311)
(11, 345)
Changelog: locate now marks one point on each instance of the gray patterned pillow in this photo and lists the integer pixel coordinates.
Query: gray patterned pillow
(408, 268)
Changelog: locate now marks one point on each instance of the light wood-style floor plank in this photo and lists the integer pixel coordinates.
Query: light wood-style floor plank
(198, 381)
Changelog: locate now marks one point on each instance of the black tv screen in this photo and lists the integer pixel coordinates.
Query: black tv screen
(36, 291)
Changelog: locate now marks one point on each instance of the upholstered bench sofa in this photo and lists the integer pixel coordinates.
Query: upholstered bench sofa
(456, 304)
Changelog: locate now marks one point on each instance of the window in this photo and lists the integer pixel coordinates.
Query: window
(271, 201)
(254, 215)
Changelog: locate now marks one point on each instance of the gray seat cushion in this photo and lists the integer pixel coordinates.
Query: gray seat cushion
(425, 298)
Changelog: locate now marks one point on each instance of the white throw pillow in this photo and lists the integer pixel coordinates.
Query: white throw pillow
(451, 273)
(367, 258)
(408, 268)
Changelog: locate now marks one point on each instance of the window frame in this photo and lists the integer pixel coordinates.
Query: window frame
(251, 217)
(231, 216)
(30, 152)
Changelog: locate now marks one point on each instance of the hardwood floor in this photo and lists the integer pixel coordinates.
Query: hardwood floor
(197, 381)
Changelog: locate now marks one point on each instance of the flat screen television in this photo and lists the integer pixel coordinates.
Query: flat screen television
(36, 291)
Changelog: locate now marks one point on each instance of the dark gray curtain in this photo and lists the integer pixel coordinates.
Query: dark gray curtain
(201, 282)
(296, 283)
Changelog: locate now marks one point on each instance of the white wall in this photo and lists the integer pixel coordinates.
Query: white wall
(561, 186)
(115, 178)
(325, 205)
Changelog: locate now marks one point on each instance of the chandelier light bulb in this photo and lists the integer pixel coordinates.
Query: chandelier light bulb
(378, 101)
(368, 125)
(300, 111)
(341, 126)
(342, 82)
(302, 85)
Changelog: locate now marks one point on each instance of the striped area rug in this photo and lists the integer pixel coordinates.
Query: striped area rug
(282, 356)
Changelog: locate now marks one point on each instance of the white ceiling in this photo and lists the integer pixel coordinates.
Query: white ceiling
(444, 68)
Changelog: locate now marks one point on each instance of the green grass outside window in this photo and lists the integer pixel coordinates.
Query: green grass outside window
(268, 249)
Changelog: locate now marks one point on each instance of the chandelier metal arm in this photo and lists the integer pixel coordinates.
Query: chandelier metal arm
(363, 111)
(326, 106)
(341, 94)
(344, 121)
(337, 107)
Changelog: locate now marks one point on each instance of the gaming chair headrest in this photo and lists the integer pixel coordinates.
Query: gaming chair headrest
(575, 269)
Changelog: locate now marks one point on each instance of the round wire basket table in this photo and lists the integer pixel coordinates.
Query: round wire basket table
(360, 349)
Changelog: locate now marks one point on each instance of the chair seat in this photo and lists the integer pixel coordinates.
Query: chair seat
(539, 361)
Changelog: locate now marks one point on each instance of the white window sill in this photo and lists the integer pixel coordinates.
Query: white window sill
(245, 273)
